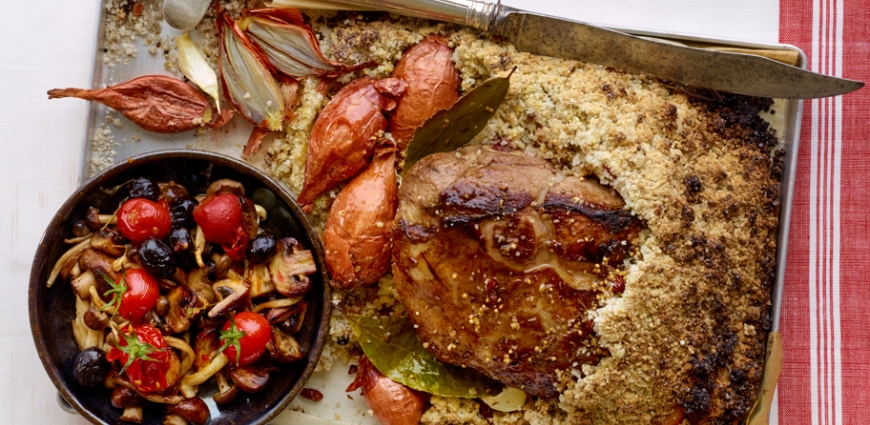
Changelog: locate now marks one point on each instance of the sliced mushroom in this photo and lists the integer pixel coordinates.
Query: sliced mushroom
(174, 420)
(123, 397)
(132, 414)
(162, 306)
(179, 277)
(218, 187)
(199, 244)
(114, 381)
(173, 372)
(190, 382)
(199, 283)
(233, 292)
(85, 337)
(192, 410)
(290, 268)
(155, 320)
(101, 265)
(82, 285)
(250, 217)
(278, 315)
(187, 355)
(70, 267)
(93, 219)
(96, 220)
(111, 380)
(258, 278)
(291, 321)
(121, 263)
(109, 241)
(250, 378)
(95, 319)
(176, 319)
(222, 265)
(162, 399)
(214, 365)
(71, 254)
(284, 347)
(278, 303)
(206, 343)
(226, 392)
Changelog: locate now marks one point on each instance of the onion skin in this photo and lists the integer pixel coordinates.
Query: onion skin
(157, 103)
(433, 85)
(391, 402)
(344, 136)
(357, 233)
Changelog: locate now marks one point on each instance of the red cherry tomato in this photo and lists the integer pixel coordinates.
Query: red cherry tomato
(140, 219)
(246, 335)
(140, 296)
(220, 218)
(138, 343)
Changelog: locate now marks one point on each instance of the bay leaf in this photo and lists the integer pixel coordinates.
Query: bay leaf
(453, 128)
(393, 347)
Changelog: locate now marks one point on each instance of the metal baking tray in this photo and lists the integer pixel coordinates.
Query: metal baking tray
(337, 407)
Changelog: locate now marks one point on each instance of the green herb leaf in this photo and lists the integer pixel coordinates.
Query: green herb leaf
(452, 128)
(231, 336)
(392, 346)
(135, 349)
(117, 291)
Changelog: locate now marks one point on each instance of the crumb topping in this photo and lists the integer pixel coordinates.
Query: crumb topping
(688, 325)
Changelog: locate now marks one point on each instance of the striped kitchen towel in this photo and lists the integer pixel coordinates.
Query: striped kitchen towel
(826, 304)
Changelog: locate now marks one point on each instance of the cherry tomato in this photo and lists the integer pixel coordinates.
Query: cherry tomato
(143, 356)
(245, 336)
(220, 218)
(140, 295)
(140, 219)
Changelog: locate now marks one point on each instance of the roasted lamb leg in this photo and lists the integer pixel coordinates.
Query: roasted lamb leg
(498, 259)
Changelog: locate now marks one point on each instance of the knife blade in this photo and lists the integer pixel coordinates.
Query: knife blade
(563, 38)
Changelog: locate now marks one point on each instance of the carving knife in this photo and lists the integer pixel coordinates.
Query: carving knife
(563, 38)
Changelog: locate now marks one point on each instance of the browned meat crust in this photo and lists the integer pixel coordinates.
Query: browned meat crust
(499, 258)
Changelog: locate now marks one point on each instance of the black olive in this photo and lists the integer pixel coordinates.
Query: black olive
(181, 243)
(156, 258)
(90, 367)
(261, 248)
(182, 212)
(179, 240)
(142, 187)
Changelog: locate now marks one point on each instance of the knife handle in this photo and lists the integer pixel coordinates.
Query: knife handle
(477, 14)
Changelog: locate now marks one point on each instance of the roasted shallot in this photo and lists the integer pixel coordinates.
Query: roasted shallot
(433, 85)
(391, 402)
(156, 103)
(249, 83)
(357, 234)
(344, 135)
(290, 45)
(195, 67)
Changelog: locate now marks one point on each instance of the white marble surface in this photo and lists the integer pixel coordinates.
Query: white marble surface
(52, 43)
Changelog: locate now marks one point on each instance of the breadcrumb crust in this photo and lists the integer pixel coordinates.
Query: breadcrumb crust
(689, 329)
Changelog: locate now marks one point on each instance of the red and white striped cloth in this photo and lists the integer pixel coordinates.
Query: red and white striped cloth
(826, 304)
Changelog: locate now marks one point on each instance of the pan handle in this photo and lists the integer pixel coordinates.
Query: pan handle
(65, 406)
